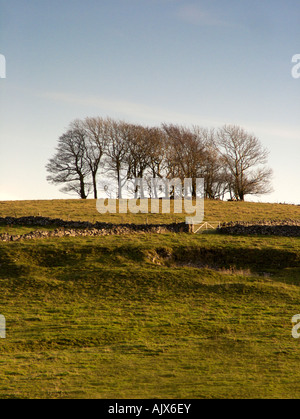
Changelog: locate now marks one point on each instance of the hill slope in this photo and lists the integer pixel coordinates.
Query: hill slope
(150, 316)
(85, 210)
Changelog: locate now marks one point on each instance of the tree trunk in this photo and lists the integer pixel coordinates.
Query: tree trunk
(95, 185)
(82, 188)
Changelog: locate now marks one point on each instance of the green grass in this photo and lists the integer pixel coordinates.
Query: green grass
(150, 316)
(19, 230)
(85, 210)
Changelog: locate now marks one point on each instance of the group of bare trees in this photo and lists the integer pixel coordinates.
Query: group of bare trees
(231, 161)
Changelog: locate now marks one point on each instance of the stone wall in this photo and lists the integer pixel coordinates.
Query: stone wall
(82, 228)
(287, 228)
(62, 228)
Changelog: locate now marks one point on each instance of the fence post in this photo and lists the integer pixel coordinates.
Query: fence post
(191, 228)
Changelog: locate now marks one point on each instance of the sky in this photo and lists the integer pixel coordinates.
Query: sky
(205, 62)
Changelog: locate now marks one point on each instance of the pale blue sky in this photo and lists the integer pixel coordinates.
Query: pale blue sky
(206, 62)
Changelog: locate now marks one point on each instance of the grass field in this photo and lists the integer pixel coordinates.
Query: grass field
(85, 210)
(150, 316)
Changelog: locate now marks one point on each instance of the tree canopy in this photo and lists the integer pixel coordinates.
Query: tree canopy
(232, 162)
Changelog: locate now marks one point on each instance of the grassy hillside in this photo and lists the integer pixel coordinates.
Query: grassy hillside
(85, 210)
(144, 316)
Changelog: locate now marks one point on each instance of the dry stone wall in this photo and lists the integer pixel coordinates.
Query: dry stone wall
(62, 228)
(81, 228)
(286, 228)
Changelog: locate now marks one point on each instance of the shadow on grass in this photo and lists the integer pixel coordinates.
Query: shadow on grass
(253, 259)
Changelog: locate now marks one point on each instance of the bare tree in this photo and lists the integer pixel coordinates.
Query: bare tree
(68, 166)
(138, 150)
(230, 160)
(157, 164)
(146, 154)
(95, 142)
(156, 138)
(244, 159)
(215, 176)
(118, 137)
(185, 153)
